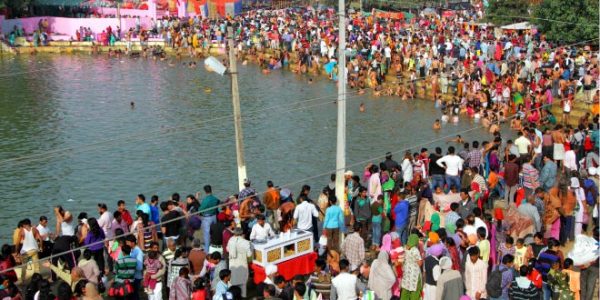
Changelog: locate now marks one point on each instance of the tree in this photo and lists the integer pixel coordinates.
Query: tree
(16, 8)
(503, 12)
(567, 21)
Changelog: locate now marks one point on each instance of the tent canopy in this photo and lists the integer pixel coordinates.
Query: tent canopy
(518, 26)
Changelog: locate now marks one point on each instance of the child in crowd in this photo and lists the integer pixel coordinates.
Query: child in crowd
(520, 253)
(152, 265)
(574, 277)
(506, 248)
(199, 292)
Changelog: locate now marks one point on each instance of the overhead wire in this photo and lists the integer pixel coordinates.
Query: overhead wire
(148, 135)
(186, 216)
(224, 204)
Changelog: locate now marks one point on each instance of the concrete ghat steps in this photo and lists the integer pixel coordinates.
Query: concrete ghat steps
(579, 108)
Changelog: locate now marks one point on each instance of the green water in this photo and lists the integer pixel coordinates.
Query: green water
(58, 112)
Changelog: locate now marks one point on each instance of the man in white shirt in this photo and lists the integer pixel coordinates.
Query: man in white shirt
(571, 158)
(343, 286)
(453, 164)
(46, 236)
(304, 213)
(523, 144)
(105, 220)
(261, 230)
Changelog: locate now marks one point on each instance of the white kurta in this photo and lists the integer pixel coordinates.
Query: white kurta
(239, 250)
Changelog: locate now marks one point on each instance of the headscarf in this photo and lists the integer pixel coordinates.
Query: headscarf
(386, 243)
(445, 263)
(434, 238)
(382, 277)
(436, 250)
(413, 240)
(435, 222)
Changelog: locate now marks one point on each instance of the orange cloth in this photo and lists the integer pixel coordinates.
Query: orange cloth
(271, 199)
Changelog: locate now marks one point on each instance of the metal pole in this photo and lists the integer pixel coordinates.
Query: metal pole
(119, 15)
(340, 160)
(237, 115)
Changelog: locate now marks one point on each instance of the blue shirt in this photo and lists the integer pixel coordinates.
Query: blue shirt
(401, 211)
(144, 207)
(138, 254)
(154, 215)
(334, 218)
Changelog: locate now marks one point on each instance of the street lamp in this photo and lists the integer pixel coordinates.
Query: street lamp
(214, 65)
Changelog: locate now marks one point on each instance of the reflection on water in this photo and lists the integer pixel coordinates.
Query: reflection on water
(178, 137)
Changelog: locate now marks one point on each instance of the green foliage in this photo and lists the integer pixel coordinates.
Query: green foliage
(504, 12)
(16, 8)
(567, 21)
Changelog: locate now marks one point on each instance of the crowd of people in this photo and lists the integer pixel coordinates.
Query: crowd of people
(492, 217)
(491, 222)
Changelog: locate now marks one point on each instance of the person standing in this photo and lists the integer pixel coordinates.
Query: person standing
(46, 236)
(239, 250)
(374, 183)
(401, 217)
(412, 284)
(511, 178)
(304, 214)
(382, 277)
(125, 268)
(362, 211)
(436, 171)
(343, 286)
(28, 247)
(333, 224)
(261, 230)
(522, 288)
(122, 208)
(169, 224)
(528, 209)
(506, 273)
(548, 173)
(94, 240)
(353, 247)
(450, 285)
(475, 275)
(453, 164)
(271, 199)
(208, 212)
(138, 255)
(466, 204)
(140, 204)
(432, 270)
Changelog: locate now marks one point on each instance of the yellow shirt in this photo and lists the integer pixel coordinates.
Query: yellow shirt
(484, 248)
(520, 257)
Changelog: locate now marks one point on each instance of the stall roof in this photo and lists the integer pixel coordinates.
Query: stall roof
(58, 2)
(518, 26)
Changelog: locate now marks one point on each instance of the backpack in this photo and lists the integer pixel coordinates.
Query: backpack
(494, 283)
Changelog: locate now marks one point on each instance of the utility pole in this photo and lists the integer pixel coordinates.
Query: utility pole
(237, 115)
(340, 160)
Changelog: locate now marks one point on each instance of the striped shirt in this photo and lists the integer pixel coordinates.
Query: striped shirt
(517, 292)
(125, 268)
